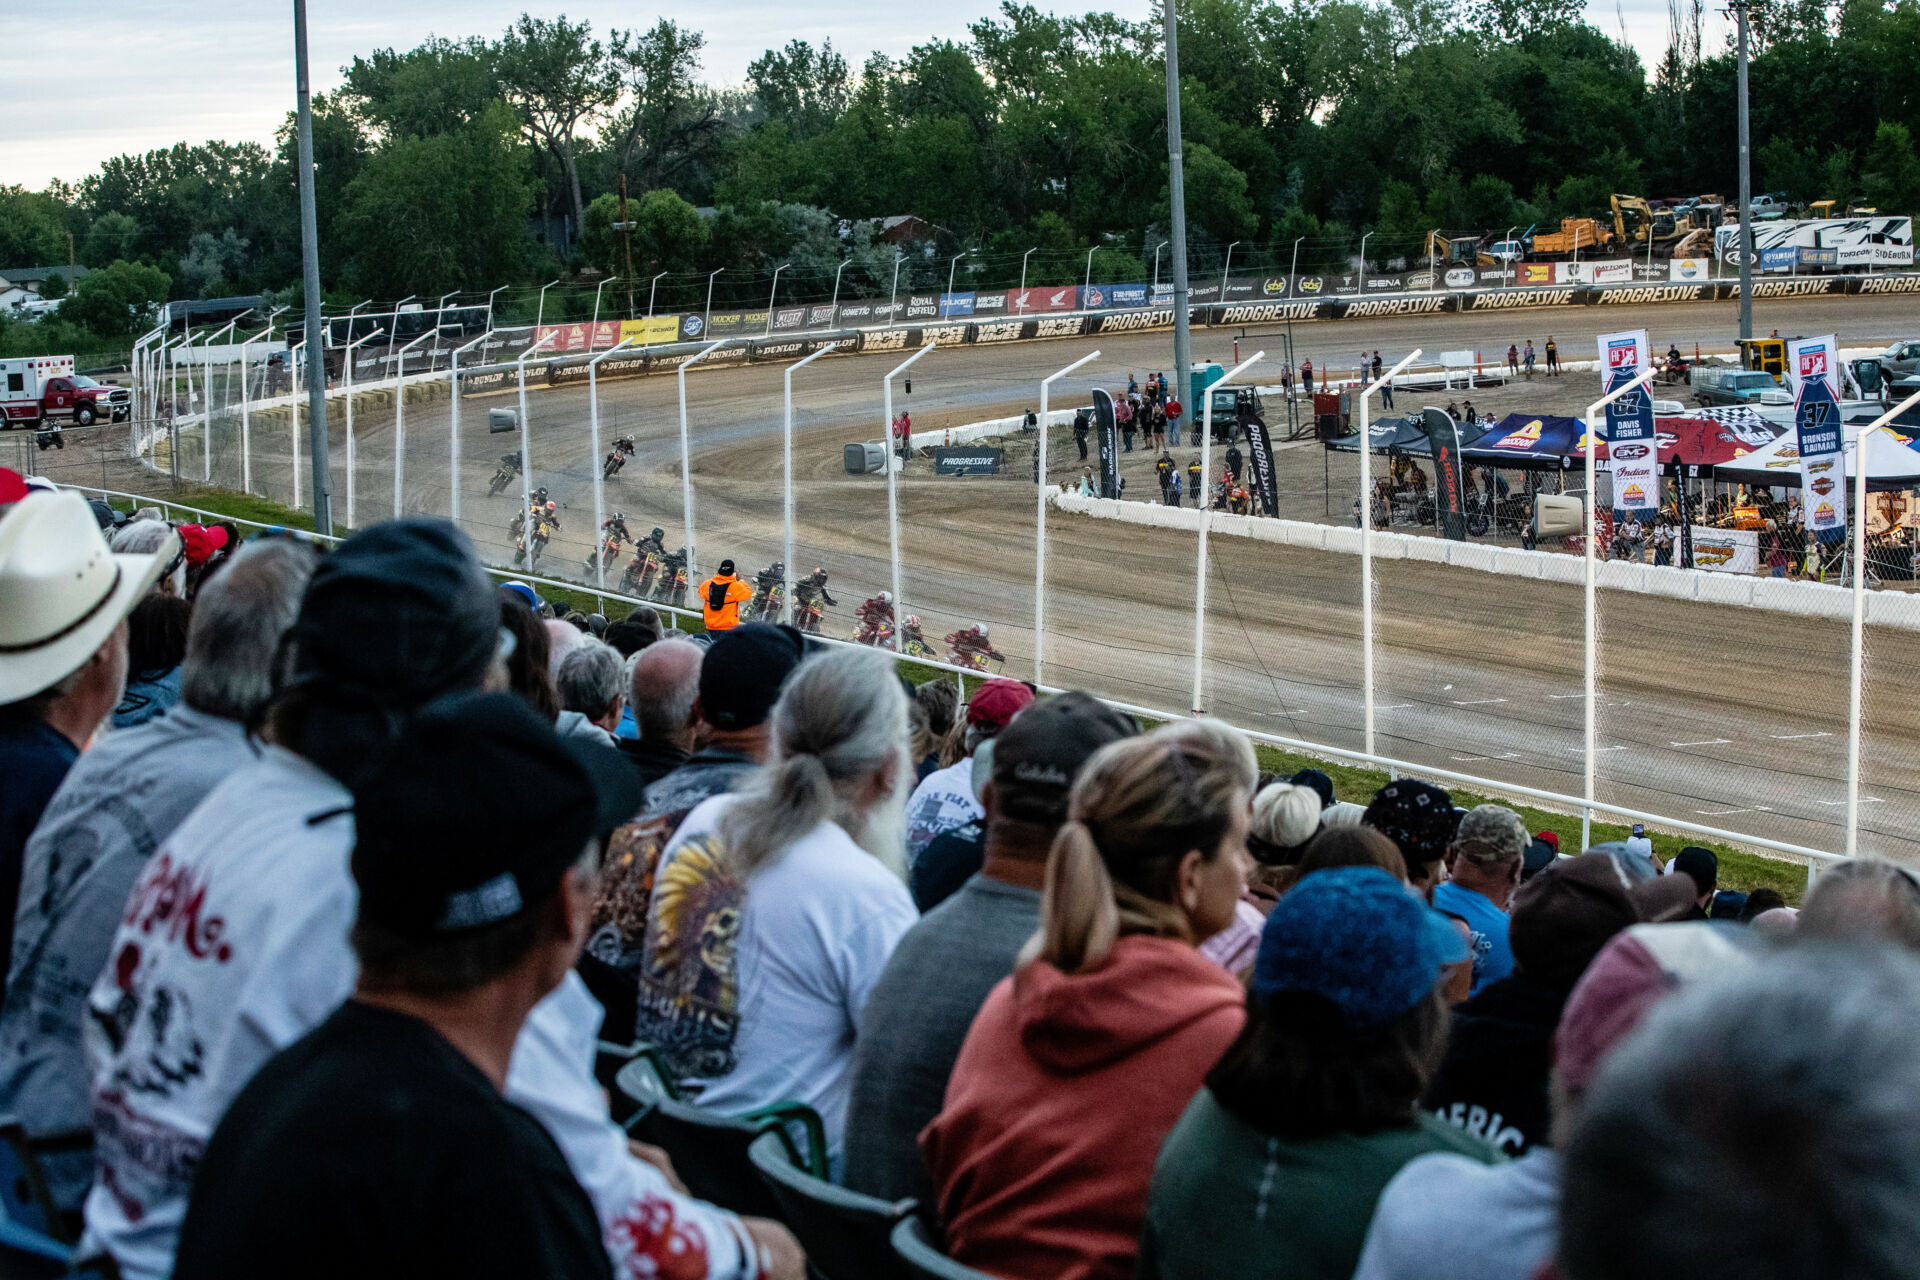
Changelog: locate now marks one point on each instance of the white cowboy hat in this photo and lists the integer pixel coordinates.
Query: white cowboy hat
(61, 591)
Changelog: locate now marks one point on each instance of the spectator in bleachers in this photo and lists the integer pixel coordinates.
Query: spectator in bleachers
(1860, 899)
(1080, 1062)
(117, 803)
(775, 909)
(1702, 868)
(741, 675)
(1493, 1081)
(1286, 818)
(940, 700)
(1444, 1217)
(387, 1119)
(64, 601)
(148, 537)
(1759, 1125)
(662, 692)
(529, 670)
(1484, 861)
(156, 644)
(1316, 1103)
(946, 965)
(636, 631)
(589, 687)
(186, 1013)
(1420, 819)
(945, 800)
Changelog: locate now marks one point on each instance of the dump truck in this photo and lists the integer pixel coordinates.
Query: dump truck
(1576, 235)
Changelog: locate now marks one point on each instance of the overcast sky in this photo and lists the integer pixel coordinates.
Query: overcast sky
(140, 74)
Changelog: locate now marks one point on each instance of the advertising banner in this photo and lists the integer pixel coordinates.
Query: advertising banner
(1107, 439)
(1242, 289)
(1690, 269)
(1383, 284)
(693, 327)
(1779, 259)
(1814, 375)
(820, 315)
(1443, 437)
(1421, 280)
(993, 303)
(1199, 291)
(863, 312)
(1266, 486)
(1094, 297)
(1024, 302)
(1127, 295)
(1311, 287)
(1817, 257)
(968, 460)
(1129, 321)
(956, 304)
(1632, 443)
(923, 306)
(730, 324)
(1459, 278)
(651, 332)
(1728, 550)
(1607, 272)
(1537, 272)
(789, 319)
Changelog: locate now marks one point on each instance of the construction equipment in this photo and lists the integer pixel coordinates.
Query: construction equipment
(1456, 249)
(1768, 355)
(1635, 223)
(1576, 235)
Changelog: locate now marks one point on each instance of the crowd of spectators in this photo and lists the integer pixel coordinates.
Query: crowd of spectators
(310, 955)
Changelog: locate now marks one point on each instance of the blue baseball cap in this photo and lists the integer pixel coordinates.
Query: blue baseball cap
(1359, 938)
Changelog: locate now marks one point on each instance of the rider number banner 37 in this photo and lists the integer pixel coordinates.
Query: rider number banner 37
(1632, 445)
(1814, 375)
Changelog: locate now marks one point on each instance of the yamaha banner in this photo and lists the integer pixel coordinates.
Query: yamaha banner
(1812, 369)
(1108, 436)
(1443, 437)
(1632, 444)
(1260, 447)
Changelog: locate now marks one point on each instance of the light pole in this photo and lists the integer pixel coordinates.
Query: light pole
(893, 299)
(1023, 276)
(490, 298)
(596, 305)
(400, 414)
(1363, 262)
(1156, 265)
(653, 290)
(294, 362)
(453, 432)
(833, 305)
(540, 312)
(1860, 614)
(599, 472)
(946, 303)
(686, 455)
(1739, 8)
(1294, 268)
(355, 307)
(526, 449)
(786, 445)
(1040, 528)
(1206, 513)
(1088, 282)
(440, 320)
(707, 324)
(1223, 279)
(1513, 254)
(772, 294)
(310, 279)
(1366, 541)
(246, 428)
(1176, 209)
(348, 375)
(893, 497)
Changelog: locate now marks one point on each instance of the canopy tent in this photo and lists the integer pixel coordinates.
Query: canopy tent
(1893, 460)
(1550, 442)
(1402, 435)
(1529, 442)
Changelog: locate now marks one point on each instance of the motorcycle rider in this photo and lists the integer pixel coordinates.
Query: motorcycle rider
(539, 530)
(766, 587)
(654, 544)
(1234, 461)
(622, 450)
(875, 616)
(911, 641)
(972, 647)
(807, 588)
(613, 536)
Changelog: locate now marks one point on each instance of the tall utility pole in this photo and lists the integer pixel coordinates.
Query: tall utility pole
(310, 261)
(625, 228)
(1739, 8)
(1176, 189)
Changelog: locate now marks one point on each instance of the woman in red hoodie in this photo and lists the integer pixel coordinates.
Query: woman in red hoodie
(1080, 1063)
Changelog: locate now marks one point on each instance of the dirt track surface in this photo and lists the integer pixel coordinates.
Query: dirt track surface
(1728, 717)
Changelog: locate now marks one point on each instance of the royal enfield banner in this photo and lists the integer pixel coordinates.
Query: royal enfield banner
(1107, 438)
(1690, 269)
(1814, 375)
(1443, 438)
(1026, 302)
(1632, 443)
(1266, 486)
(654, 331)
(923, 306)
(956, 304)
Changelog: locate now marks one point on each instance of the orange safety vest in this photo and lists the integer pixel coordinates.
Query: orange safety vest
(720, 599)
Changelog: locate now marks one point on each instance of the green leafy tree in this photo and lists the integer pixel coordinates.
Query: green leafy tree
(111, 235)
(1892, 177)
(801, 87)
(440, 86)
(117, 299)
(667, 123)
(54, 287)
(561, 80)
(668, 234)
(33, 228)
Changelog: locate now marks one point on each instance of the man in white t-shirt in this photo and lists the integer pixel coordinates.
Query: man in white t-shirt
(776, 909)
(945, 800)
(234, 942)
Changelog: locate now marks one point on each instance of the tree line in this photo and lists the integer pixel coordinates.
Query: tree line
(1033, 142)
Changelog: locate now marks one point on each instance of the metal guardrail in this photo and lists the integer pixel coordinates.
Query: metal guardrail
(1554, 800)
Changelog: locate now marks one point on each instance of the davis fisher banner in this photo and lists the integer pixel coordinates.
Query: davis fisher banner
(1815, 376)
(1631, 442)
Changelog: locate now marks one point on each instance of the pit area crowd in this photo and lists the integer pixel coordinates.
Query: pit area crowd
(369, 917)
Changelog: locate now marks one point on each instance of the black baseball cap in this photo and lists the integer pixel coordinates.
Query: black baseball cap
(1042, 749)
(477, 813)
(741, 676)
(726, 566)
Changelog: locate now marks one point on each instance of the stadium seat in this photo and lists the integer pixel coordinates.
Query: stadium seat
(847, 1236)
(923, 1260)
(709, 1150)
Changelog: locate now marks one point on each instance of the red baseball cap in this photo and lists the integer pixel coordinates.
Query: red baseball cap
(13, 487)
(201, 541)
(996, 704)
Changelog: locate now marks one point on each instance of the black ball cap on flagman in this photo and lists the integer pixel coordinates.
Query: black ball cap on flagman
(477, 812)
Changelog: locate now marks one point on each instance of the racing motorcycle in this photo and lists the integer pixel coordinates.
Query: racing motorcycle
(807, 615)
(609, 552)
(767, 594)
(970, 649)
(622, 450)
(509, 468)
(639, 573)
(530, 549)
(670, 583)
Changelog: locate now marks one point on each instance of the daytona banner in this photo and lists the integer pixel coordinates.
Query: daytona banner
(1632, 443)
(1813, 371)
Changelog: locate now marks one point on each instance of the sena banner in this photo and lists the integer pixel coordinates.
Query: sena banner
(1632, 443)
(1813, 371)
(1266, 486)
(1108, 439)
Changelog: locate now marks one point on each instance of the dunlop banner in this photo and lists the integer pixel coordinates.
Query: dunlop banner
(653, 331)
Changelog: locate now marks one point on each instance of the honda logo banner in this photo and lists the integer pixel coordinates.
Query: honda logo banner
(1260, 446)
(1443, 437)
(1813, 373)
(1632, 444)
(1109, 443)
(1023, 302)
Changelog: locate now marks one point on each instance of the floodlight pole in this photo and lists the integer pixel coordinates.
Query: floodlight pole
(310, 280)
(708, 322)
(686, 451)
(1592, 661)
(893, 497)
(1206, 514)
(786, 444)
(1040, 487)
(1023, 275)
(1366, 540)
(771, 295)
(453, 431)
(1739, 8)
(599, 470)
(293, 424)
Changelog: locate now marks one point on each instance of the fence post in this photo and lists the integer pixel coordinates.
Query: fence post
(1040, 530)
(1366, 542)
(1204, 499)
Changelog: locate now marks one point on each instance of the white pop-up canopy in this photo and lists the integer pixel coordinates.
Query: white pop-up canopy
(1892, 460)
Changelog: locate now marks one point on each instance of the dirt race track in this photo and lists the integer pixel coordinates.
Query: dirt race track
(1726, 716)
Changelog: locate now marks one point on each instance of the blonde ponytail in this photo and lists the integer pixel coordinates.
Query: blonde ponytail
(1080, 920)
